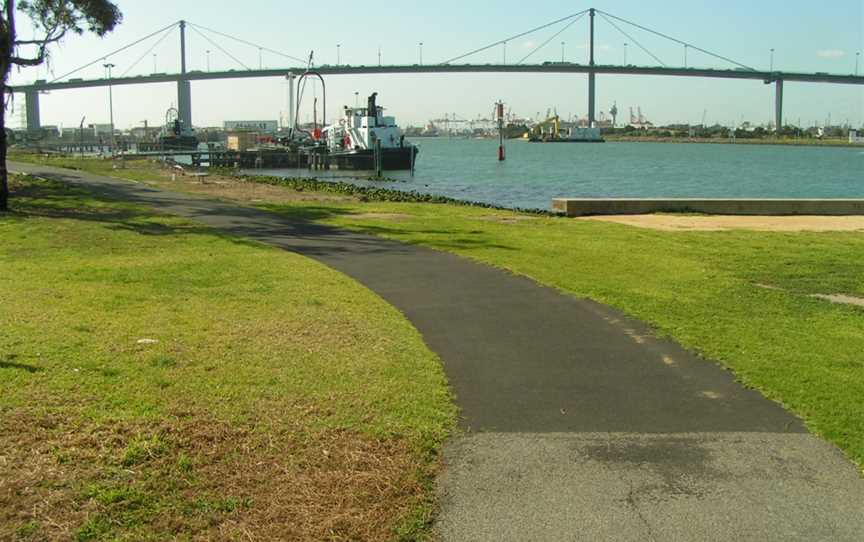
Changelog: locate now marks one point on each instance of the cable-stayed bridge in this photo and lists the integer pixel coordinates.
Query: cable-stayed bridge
(731, 70)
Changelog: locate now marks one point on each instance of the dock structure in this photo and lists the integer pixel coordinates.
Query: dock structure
(713, 206)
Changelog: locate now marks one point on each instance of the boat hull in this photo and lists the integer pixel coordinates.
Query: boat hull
(398, 158)
(179, 143)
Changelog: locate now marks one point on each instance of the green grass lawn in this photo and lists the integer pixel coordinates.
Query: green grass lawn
(700, 288)
(161, 381)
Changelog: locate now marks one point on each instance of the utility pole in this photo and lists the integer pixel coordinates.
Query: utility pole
(208, 60)
(685, 55)
(154, 63)
(260, 58)
(505, 53)
(379, 56)
(421, 53)
(625, 53)
(562, 51)
(338, 54)
(857, 58)
(110, 103)
(771, 69)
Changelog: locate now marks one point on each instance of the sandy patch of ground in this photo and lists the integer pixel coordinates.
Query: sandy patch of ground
(721, 223)
(841, 299)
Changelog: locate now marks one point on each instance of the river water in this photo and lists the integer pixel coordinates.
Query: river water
(535, 173)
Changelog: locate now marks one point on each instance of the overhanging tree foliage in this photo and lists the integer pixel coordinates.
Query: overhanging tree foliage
(52, 20)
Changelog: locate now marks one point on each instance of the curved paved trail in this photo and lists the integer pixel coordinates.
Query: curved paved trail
(577, 424)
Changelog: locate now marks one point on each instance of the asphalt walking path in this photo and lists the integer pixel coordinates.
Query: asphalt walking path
(576, 423)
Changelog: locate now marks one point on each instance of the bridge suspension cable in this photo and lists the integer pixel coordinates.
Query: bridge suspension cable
(150, 50)
(112, 53)
(249, 43)
(676, 40)
(631, 38)
(555, 35)
(216, 45)
(500, 42)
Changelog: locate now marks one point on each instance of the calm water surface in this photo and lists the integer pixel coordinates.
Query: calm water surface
(534, 173)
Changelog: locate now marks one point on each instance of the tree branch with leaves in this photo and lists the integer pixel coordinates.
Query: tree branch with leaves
(52, 20)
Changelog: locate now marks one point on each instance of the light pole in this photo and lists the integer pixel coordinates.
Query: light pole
(771, 69)
(208, 60)
(685, 55)
(421, 53)
(338, 54)
(379, 55)
(625, 54)
(857, 58)
(260, 58)
(81, 134)
(562, 51)
(505, 53)
(356, 99)
(154, 62)
(110, 103)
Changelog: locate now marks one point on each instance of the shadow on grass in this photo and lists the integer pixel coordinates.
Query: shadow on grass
(21, 366)
(442, 238)
(296, 228)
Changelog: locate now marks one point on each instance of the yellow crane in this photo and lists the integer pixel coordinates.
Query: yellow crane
(549, 129)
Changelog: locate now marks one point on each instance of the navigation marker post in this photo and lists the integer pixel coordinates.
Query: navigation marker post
(499, 113)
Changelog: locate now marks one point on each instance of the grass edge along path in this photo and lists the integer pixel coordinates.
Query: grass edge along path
(175, 382)
(703, 289)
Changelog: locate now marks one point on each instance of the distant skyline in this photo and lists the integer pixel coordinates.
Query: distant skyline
(804, 36)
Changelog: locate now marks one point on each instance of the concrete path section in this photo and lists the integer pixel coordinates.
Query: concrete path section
(577, 423)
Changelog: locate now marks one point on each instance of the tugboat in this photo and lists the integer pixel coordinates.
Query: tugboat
(175, 136)
(352, 142)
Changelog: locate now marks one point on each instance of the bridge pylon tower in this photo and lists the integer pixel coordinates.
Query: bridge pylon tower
(184, 88)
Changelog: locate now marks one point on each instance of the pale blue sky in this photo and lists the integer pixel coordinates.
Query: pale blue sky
(805, 35)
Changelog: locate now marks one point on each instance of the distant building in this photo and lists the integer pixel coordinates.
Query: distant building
(854, 137)
(264, 126)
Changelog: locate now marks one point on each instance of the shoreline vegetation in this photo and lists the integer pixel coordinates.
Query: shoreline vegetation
(812, 142)
(748, 300)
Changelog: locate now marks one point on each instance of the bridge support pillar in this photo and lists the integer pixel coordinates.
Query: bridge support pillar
(591, 75)
(34, 123)
(184, 103)
(778, 106)
(291, 104)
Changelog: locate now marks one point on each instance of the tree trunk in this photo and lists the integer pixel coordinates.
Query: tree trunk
(4, 174)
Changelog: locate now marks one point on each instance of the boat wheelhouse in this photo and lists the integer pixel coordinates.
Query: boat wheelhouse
(353, 142)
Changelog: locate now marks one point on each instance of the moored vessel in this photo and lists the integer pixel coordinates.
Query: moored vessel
(364, 135)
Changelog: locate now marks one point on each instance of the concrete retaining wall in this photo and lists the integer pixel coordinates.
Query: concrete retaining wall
(616, 206)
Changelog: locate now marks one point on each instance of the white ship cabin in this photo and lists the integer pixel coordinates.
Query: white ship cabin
(360, 127)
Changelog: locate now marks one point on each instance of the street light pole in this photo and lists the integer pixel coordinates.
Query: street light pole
(338, 54)
(208, 60)
(685, 55)
(421, 53)
(154, 63)
(260, 58)
(771, 69)
(625, 54)
(857, 58)
(562, 51)
(110, 104)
